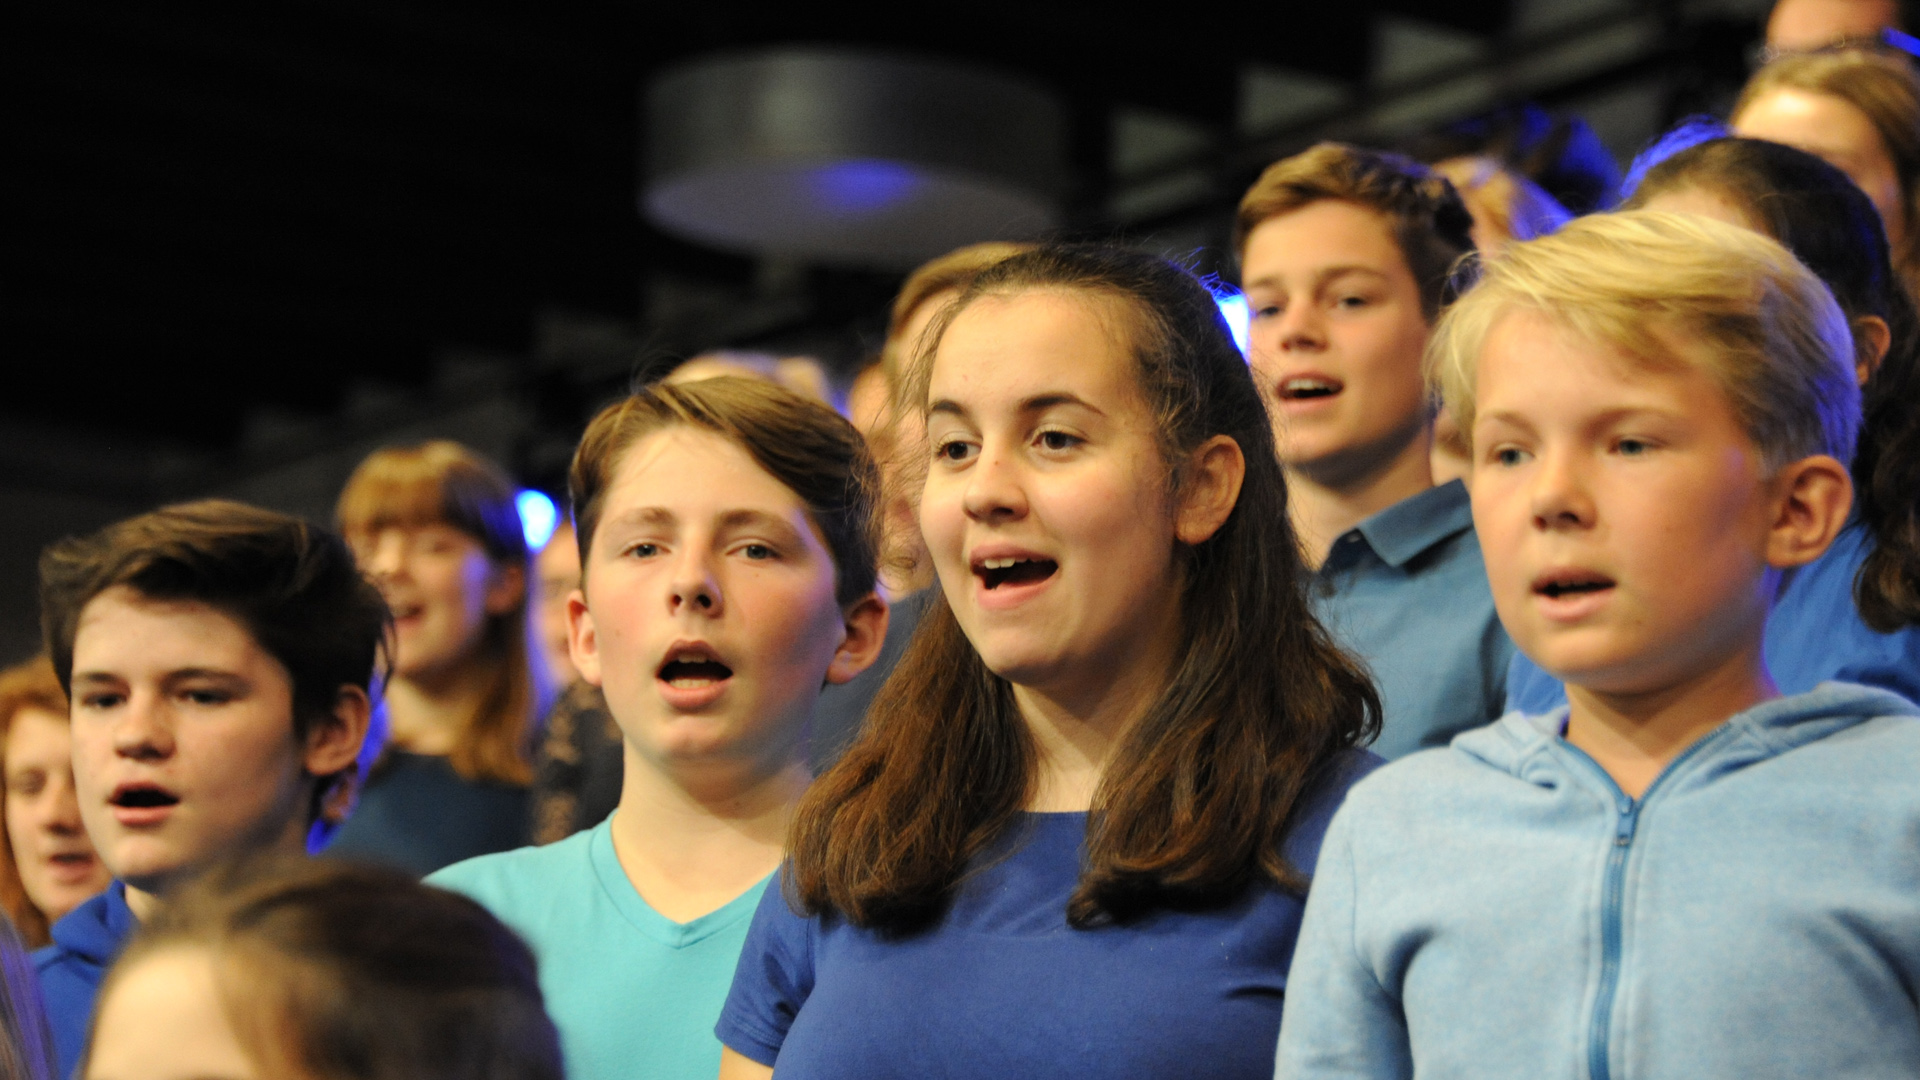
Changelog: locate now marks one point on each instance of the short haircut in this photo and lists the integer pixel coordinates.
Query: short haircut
(27, 685)
(292, 585)
(1886, 90)
(1428, 221)
(330, 969)
(1671, 289)
(800, 442)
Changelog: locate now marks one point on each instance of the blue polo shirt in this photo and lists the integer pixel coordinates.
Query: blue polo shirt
(1814, 635)
(1406, 591)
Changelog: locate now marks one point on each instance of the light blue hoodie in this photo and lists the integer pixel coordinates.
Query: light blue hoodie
(1499, 909)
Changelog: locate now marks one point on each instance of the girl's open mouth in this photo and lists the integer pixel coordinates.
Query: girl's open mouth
(997, 572)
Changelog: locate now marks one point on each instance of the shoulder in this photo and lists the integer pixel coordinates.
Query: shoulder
(528, 875)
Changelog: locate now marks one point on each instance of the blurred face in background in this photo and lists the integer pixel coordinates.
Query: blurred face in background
(1833, 130)
(1801, 25)
(56, 861)
(165, 1019)
(442, 588)
(556, 574)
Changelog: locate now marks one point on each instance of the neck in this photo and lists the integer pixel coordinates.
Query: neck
(1634, 735)
(427, 713)
(692, 840)
(1325, 501)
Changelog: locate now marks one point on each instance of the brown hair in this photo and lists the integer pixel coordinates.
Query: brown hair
(1202, 788)
(800, 442)
(335, 971)
(444, 483)
(28, 685)
(951, 272)
(1429, 222)
(292, 585)
(1886, 91)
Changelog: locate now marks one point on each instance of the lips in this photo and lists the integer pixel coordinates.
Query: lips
(693, 675)
(142, 803)
(72, 867)
(1008, 570)
(1565, 583)
(1308, 387)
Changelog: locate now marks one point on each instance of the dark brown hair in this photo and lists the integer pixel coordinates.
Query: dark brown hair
(1203, 786)
(800, 442)
(28, 685)
(1887, 92)
(1429, 222)
(444, 483)
(1831, 226)
(334, 971)
(292, 585)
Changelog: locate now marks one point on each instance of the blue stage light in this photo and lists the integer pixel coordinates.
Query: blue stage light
(864, 186)
(538, 517)
(1233, 308)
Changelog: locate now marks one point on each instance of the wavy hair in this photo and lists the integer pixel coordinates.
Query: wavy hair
(1201, 789)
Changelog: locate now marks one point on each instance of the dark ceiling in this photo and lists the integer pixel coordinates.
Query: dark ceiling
(216, 207)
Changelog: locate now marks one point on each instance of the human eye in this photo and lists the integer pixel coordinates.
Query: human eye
(1507, 456)
(1057, 441)
(1632, 447)
(758, 551)
(100, 699)
(953, 450)
(29, 783)
(206, 695)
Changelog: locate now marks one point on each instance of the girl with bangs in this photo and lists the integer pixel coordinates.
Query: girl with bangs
(435, 527)
(1074, 838)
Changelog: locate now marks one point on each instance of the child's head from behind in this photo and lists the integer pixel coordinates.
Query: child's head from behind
(321, 971)
(1660, 406)
(727, 552)
(218, 658)
(1345, 256)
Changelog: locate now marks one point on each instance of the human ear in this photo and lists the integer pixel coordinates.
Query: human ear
(1811, 499)
(1209, 489)
(866, 620)
(333, 740)
(1871, 340)
(583, 644)
(506, 588)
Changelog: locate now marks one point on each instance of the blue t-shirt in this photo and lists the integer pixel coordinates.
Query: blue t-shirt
(1406, 591)
(1001, 986)
(633, 993)
(1814, 635)
(418, 815)
(85, 942)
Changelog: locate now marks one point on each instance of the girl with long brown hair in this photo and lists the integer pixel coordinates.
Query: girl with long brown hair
(435, 527)
(1075, 835)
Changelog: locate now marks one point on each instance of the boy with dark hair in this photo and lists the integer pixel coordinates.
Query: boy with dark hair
(1345, 256)
(218, 659)
(1684, 874)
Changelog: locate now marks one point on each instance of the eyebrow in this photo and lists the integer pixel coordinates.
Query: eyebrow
(734, 520)
(1321, 276)
(171, 676)
(1034, 404)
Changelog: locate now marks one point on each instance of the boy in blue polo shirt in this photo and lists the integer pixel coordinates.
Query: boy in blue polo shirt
(727, 574)
(1684, 874)
(1345, 256)
(217, 657)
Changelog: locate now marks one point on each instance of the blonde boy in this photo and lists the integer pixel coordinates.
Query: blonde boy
(1683, 874)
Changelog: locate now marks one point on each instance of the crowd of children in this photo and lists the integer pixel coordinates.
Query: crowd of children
(1507, 665)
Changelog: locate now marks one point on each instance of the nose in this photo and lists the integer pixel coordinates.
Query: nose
(1301, 328)
(63, 806)
(143, 731)
(994, 491)
(695, 587)
(385, 557)
(1560, 496)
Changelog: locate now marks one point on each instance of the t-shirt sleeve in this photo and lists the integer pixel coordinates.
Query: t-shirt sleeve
(1340, 1023)
(773, 979)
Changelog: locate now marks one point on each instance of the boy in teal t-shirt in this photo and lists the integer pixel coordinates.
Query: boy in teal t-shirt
(727, 575)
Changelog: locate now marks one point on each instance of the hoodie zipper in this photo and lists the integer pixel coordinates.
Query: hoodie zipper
(1599, 1063)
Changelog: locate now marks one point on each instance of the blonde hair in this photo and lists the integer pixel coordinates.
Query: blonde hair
(444, 483)
(1677, 289)
(29, 685)
(1887, 92)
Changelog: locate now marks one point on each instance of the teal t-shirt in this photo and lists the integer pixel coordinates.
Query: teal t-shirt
(633, 993)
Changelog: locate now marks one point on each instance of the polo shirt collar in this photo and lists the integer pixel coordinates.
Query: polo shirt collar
(1404, 530)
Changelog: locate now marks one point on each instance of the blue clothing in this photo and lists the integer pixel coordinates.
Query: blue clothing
(1814, 634)
(418, 815)
(1406, 591)
(85, 942)
(1500, 909)
(633, 993)
(1000, 986)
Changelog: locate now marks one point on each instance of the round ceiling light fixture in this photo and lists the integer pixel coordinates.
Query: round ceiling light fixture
(850, 158)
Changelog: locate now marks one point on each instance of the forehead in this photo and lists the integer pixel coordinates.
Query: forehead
(1040, 341)
(1821, 124)
(694, 473)
(122, 630)
(1319, 236)
(34, 735)
(1531, 361)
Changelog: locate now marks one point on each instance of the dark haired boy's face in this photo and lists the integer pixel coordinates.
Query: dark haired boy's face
(183, 742)
(1335, 337)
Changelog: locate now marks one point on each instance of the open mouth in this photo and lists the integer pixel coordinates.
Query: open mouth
(72, 859)
(1308, 388)
(1572, 586)
(1010, 571)
(143, 797)
(692, 667)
